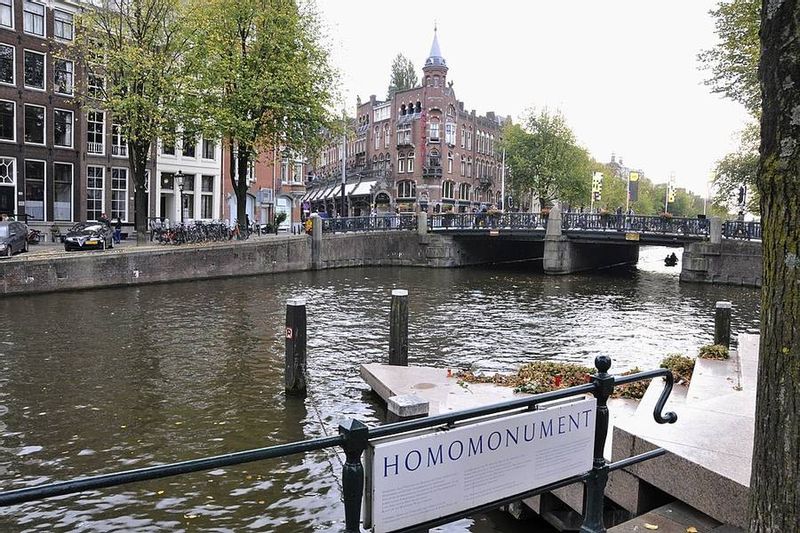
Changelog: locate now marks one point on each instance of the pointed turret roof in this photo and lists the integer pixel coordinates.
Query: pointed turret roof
(435, 57)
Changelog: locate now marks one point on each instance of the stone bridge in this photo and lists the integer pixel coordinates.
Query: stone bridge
(714, 251)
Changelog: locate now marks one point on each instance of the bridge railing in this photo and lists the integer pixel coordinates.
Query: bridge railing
(354, 438)
(739, 229)
(369, 223)
(465, 221)
(635, 223)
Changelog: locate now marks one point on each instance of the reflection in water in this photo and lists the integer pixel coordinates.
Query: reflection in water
(106, 380)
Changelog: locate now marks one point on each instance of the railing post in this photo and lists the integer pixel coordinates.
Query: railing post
(422, 223)
(398, 328)
(722, 324)
(356, 436)
(596, 485)
(715, 230)
(295, 351)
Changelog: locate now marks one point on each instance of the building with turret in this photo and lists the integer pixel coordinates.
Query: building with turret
(420, 150)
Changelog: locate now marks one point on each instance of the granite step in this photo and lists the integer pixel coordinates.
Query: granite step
(675, 517)
(714, 378)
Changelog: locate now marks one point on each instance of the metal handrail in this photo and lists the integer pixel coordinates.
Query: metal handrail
(636, 223)
(741, 230)
(378, 222)
(354, 438)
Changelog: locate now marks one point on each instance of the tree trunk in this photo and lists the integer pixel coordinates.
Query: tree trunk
(775, 477)
(138, 155)
(242, 186)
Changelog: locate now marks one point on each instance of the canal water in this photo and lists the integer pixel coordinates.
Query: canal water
(106, 380)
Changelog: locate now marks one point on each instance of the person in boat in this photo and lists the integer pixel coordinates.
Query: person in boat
(671, 259)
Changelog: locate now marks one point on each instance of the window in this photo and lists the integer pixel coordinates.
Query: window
(433, 129)
(119, 194)
(297, 175)
(463, 191)
(167, 181)
(119, 144)
(434, 161)
(209, 149)
(168, 147)
(7, 175)
(404, 134)
(62, 191)
(406, 189)
(447, 189)
(189, 146)
(450, 133)
(463, 166)
(34, 189)
(34, 124)
(62, 25)
(62, 128)
(285, 170)
(6, 14)
(63, 76)
(6, 64)
(94, 132)
(95, 86)
(33, 18)
(469, 167)
(469, 140)
(188, 196)
(94, 192)
(34, 70)
(377, 137)
(95, 53)
(386, 134)
(463, 135)
(8, 121)
(410, 162)
(449, 162)
(207, 197)
(401, 163)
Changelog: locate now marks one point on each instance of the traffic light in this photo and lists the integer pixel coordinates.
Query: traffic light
(597, 186)
(742, 193)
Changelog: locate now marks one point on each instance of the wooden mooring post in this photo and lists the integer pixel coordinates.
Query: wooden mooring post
(722, 324)
(295, 375)
(398, 328)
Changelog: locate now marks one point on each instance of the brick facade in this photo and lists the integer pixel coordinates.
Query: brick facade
(419, 150)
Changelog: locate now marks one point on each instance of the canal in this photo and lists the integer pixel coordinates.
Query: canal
(106, 380)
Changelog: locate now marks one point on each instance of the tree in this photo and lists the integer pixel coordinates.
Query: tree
(775, 477)
(137, 46)
(403, 76)
(542, 157)
(733, 62)
(262, 79)
(736, 169)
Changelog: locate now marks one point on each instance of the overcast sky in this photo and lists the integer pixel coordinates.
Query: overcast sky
(623, 72)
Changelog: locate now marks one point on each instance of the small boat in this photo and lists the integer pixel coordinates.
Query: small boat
(671, 260)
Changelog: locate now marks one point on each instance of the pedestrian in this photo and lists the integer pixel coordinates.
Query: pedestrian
(118, 231)
(619, 218)
(104, 219)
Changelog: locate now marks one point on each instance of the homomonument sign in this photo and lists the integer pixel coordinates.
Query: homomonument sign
(426, 476)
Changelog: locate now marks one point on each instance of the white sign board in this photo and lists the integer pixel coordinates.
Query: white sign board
(428, 476)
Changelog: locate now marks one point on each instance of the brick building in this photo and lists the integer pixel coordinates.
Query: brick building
(419, 150)
(63, 158)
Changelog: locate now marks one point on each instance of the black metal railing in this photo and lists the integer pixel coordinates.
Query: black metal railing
(739, 229)
(482, 220)
(377, 222)
(635, 223)
(354, 438)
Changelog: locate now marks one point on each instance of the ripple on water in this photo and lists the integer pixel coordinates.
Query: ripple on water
(202, 374)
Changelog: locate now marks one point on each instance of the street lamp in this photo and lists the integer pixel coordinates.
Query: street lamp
(179, 179)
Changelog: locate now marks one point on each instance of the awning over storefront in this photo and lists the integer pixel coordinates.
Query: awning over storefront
(348, 190)
(363, 188)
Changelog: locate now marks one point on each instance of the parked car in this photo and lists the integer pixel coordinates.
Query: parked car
(13, 238)
(86, 235)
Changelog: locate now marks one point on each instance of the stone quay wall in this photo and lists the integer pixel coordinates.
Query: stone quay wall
(729, 262)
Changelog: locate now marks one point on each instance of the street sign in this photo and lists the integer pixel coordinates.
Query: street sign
(413, 479)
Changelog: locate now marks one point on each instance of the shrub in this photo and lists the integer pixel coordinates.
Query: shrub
(681, 367)
(536, 377)
(631, 391)
(714, 351)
